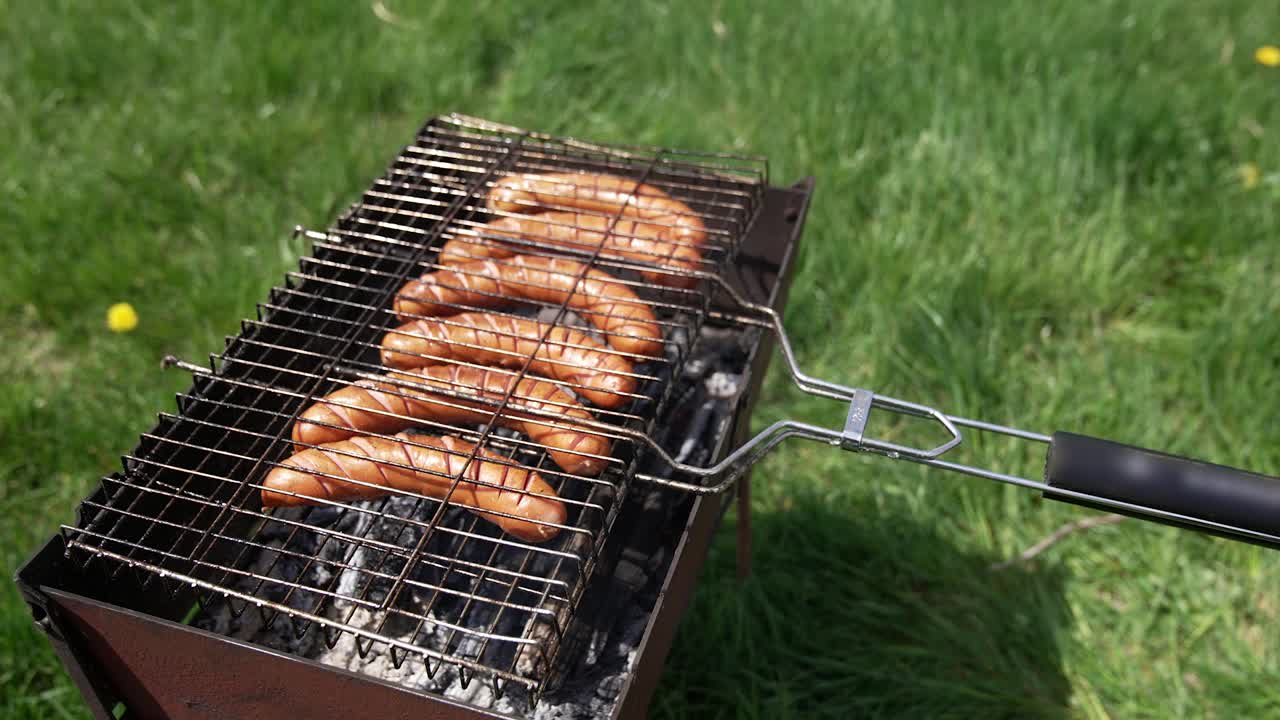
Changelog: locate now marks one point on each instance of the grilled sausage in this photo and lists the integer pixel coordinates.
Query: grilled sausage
(387, 406)
(650, 243)
(596, 373)
(627, 321)
(531, 193)
(322, 473)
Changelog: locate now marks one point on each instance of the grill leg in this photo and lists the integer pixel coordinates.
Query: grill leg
(744, 528)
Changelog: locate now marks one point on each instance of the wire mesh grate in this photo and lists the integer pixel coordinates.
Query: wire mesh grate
(413, 576)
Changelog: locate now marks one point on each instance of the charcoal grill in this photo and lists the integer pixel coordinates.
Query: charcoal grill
(173, 580)
(174, 594)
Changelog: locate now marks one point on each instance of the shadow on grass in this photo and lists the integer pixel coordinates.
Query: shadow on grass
(865, 616)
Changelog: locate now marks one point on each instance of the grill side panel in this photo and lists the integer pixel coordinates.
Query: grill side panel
(213, 677)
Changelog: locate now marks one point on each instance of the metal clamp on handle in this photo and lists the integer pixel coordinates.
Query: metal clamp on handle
(855, 424)
(852, 436)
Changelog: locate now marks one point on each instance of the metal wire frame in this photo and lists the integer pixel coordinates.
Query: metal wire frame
(550, 591)
(724, 197)
(181, 510)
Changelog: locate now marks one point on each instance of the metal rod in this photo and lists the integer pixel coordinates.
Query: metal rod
(852, 436)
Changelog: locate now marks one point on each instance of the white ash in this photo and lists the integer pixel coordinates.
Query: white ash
(723, 385)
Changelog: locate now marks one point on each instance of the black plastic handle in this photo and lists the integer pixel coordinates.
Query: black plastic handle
(1200, 491)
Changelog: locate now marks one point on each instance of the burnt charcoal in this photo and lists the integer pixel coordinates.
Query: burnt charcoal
(610, 687)
(697, 368)
(324, 516)
(677, 344)
(273, 531)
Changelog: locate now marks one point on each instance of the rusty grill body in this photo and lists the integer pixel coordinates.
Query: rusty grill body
(432, 596)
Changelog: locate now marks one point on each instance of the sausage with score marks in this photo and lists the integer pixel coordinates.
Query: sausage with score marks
(402, 398)
(628, 323)
(422, 465)
(592, 370)
(534, 192)
(646, 242)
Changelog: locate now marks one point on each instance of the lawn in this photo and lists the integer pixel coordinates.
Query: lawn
(1036, 213)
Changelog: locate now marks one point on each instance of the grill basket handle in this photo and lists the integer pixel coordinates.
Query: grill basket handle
(1082, 470)
(1141, 479)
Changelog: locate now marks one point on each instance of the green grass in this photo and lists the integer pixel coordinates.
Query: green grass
(1026, 212)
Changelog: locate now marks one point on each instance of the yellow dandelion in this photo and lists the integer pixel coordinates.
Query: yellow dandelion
(121, 317)
(1250, 175)
(1268, 55)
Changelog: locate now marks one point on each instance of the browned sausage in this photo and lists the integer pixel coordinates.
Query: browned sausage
(321, 473)
(647, 242)
(395, 404)
(572, 356)
(532, 192)
(627, 321)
